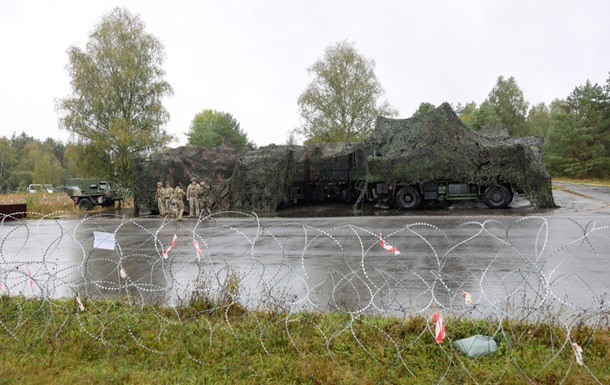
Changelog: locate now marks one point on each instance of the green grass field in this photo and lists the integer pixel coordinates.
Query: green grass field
(113, 342)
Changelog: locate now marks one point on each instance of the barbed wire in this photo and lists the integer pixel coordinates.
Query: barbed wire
(530, 269)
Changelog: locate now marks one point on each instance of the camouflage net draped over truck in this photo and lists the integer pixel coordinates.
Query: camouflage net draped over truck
(439, 146)
(435, 146)
(262, 176)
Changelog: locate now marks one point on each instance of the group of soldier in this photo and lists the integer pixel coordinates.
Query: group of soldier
(170, 200)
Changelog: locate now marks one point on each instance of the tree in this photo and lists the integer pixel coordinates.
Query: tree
(47, 168)
(423, 109)
(539, 119)
(86, 159)
(211, 128)
(510, 106)
(58, 148)
(341, 103)
(484, 117)
(8, 159)
(466, 112)
(117, 86)
(577, 143)
(20, 141)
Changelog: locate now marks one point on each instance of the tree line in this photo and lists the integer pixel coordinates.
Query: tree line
(115, 113)
(25, 160)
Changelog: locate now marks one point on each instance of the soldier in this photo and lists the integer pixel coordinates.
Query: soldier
(169, 195)
(160, 196)
(179, 201)
(204, 197)
(192, 195)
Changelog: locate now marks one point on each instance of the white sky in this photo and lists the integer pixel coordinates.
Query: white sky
(250, 58)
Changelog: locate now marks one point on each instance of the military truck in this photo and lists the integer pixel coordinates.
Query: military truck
(87, 193)
(404, 164)
(345, 177)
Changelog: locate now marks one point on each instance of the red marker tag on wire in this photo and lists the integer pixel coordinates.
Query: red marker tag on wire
(577, 353)
(197, 249)
(439, 327)
(170, 247)
(467, 297)
(388, 247)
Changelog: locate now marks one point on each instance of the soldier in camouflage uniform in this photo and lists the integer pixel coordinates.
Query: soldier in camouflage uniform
(204, 197)
(169, 195)
(160, 196)
(179, 201)
(192, 195)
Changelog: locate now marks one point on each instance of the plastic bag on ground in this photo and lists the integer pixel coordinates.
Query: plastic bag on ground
(476, 346)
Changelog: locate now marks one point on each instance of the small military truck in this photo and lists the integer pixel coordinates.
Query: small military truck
(87, 193)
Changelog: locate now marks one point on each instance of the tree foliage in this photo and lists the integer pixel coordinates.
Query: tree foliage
(423, 109)
(117, 84)
(576, 130)
(342, 101)
(211, 128)
(539, 119)
(25, 160)
(484, 117)
(8, 159)
(466, 112)
(578, 143)
(508, 103)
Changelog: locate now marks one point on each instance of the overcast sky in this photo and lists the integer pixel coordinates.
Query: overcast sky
(250, 58)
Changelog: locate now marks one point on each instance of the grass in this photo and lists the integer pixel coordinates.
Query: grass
(40, 204)
(52, 342)
(596, 182)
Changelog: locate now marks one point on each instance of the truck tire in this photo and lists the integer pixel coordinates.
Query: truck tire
(408, 198)
(497, 196)
(85, 204)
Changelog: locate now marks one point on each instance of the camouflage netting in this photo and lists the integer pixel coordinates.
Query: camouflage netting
(435, 146)
(262, 176)
(438, 146)
(179, 165)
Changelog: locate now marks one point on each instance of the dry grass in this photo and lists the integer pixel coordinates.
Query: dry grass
(595, 182)
(41, 204)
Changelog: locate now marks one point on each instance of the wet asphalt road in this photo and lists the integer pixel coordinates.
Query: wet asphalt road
(331, 257)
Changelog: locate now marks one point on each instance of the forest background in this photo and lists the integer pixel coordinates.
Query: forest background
(576, 132)
(115, 113)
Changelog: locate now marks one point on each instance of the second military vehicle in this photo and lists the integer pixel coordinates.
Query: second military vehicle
(87, 193)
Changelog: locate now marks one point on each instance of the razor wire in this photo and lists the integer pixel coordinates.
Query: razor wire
(533, 269)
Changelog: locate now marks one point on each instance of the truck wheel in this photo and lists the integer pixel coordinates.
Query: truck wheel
(497, 197)
(408, 198)
(85, 204)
